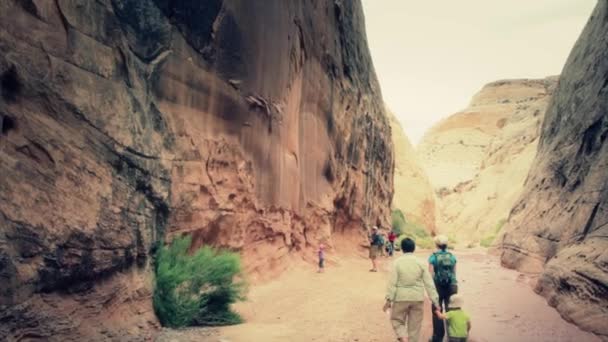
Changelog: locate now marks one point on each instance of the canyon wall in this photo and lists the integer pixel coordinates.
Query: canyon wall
(414, 195)
(478, 159)
(256, 126)
(559, 226)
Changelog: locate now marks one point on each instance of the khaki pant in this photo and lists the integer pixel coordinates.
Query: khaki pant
(406, 318)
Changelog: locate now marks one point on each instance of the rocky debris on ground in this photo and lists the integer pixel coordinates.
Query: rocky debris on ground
(558, 227)
(127, 121)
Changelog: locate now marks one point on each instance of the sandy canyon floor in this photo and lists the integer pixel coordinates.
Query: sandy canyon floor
(344, 304)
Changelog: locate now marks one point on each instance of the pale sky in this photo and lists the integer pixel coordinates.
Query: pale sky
(432, 56)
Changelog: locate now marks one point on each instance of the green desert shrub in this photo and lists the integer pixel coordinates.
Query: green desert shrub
(196, 288)
(398, 221)
(404, 228)
(452, 241)
(488, 240)
(421, 242)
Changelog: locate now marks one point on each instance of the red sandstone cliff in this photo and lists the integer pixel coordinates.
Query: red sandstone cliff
(252, 125)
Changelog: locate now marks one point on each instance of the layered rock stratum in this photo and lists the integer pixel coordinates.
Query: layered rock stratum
(559, 226)
(478, 159)
(414, 195)
(251, 125)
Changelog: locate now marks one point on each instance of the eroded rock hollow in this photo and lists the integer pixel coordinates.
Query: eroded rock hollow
(251, 125)
(559, 227)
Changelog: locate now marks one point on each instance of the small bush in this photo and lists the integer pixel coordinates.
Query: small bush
(196, 289)
(402, 226)
(416, 232)
(421, 242)
(452, 241)
(398, 221)
(425, 242)
(488, 240)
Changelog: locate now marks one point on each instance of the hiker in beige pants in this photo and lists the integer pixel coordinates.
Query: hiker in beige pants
(405, 294)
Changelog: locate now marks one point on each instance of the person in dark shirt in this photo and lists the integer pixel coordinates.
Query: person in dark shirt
(321, 253)
(391, 240)
(375, 247)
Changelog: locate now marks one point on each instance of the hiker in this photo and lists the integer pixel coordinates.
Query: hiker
(391, 240)
(321, 253)
(442, 265)
(382, 244)
(375, 247)
(459, 322)
(408, 280)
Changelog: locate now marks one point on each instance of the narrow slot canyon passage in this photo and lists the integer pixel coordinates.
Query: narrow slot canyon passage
(238, 170)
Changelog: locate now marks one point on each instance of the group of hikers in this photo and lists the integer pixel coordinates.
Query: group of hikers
(409, 278)
(379, 245)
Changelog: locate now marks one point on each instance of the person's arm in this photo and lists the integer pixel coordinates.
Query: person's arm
(429, 285)
(431, 265)
(391, 289)
(441, 315)
(468, 326)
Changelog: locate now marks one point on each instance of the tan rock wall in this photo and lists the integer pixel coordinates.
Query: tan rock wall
(478, 159)
(414, 194)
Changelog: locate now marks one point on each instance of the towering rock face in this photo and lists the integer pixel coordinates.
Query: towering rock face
(413, 192)
(251, 125)
(478, 159)
(559, 226)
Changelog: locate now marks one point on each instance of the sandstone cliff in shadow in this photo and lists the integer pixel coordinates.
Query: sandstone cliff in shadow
(559, 226)
(252, 125)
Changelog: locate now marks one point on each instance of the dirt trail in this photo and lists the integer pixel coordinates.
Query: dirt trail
(344, 304)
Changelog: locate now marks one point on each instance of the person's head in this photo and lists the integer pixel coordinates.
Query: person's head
(456, 301)
(321, 246)
(408, 245)
(441, 241)
(374, 229)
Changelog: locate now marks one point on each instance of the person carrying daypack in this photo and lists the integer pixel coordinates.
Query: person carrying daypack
(381, 245)
(375, 248)
(442, 265)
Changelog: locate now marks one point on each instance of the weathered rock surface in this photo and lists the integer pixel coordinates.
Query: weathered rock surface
(478, 159)
(559, 225)
(414, 194)
(252, 125)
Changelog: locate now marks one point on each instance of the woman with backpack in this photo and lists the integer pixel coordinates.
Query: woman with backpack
(442, 265)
